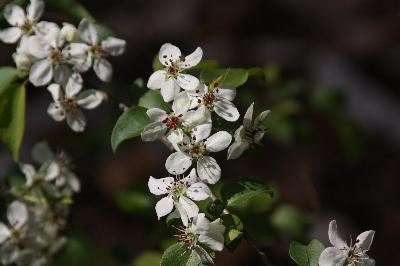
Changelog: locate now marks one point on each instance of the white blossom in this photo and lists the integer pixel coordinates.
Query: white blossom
(216, 99)
(172, 77)
(195, 149)
(176, 122)
(23, 24)
(201, 232)
(67, 103)
(342, 254)
(99, 49)
(251, 132)
(179, 193)
(17, 216)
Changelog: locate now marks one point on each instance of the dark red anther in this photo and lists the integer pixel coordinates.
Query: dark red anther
(206, 83)
(198, 100)
(164, 56)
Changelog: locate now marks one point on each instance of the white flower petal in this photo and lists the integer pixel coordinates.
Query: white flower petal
(248, 116)
(334, 237)
(160, 186)
(62, 73)
(51, 34)
(10, 35)
(200, 224)
(226, 110)
(35, 10)
(78, 55)
(52, 171)
(89, 99)
(56, 111)
(208, 170)
(181, 103)
(187, 82)
(260, 118)
(153, 131)
(169, 89)
(177, 163)
(29, 171)
(113, 46)
(368, 262)
(73, 182)
(191, 178)
(193, 59)
(164, 206)
(218, 141)
(175, 137)
(41, 73)
(364, 240)
(38, 48)
(56, 91)
(103, 69)
(74, 85)
(213, 240)
(332, 257)
(196, 117)
(17, 214)
(88, 32)
(41, 152)
(236, 149)
(156, 114)
(201, 132)
(76, 120)
(228, 94)
(168, 52)
(190, 207)
(156, 80)
(4, 233)
(182, 213)
(198, 191)
(14, 15)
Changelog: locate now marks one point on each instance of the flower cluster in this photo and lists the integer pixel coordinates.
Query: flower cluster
(38, 212)
(56, 57)
(188, 127)
(342, 254)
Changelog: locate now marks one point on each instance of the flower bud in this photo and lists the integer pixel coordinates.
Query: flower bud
(22, 61)
(69, 32)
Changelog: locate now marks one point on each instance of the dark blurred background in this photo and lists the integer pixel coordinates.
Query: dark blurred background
(334, 139)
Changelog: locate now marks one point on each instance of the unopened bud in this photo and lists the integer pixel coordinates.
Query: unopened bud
(22, 61)
(69, 32)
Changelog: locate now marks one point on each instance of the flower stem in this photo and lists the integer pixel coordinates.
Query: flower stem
(262, 254)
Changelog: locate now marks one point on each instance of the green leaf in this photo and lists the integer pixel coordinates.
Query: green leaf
(229, 77)
(290, 221)
(157, 64)
(129, 125)
(70, 8)
(306, 255)
(153, 99)
(147, 258)
(12, 109)
(239, 194)
(205, 64)
(136, 200)
(180, 254)
(233, 230)
(173, 217)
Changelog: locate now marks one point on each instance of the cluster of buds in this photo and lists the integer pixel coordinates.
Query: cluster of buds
(37, 214)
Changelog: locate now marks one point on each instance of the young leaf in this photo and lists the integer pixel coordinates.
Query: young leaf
(229, 77)
(147, 258)
(306, 255)
(180, 254)
(233, 230)
(153, 99)
(129, 125)
(12, 110)
(238, 194)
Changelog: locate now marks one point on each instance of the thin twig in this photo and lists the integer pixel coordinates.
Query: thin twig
(262, 254)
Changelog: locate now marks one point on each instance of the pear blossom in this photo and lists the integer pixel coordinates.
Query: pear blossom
(216, 99)
(201, 232)
(100, 49)
(195, 149)
(66, 180)
(342, 254)
(48, 47)
(22, 23)
(251, 132)
(17, 215)
(66, 103)
(46, 173)
(178, 121)
(179, 193)
(22, 57)
(172, 77)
